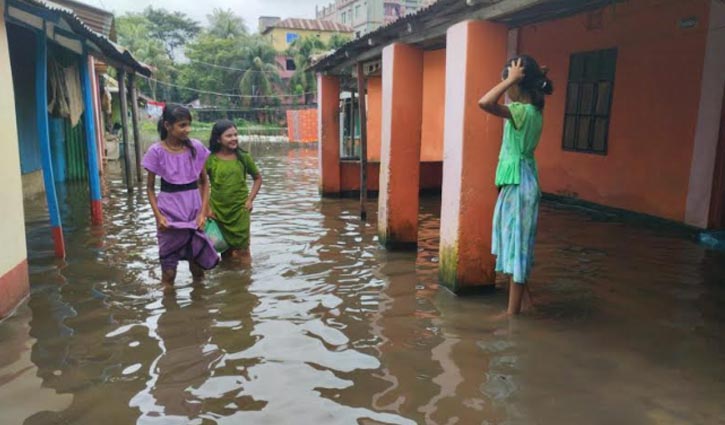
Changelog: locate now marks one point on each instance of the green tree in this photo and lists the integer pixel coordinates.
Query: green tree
(225, 24)
(301, 50)
(261, 77)
(134, 33)
(337, 41)
(173, 29)
(222, 58)
(215, 64)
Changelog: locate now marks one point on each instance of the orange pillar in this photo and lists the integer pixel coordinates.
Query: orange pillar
(475, 56)
(400, 146)
(374, 104)
(328, 105)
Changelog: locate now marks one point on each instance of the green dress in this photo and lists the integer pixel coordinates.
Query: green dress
(516, 215)
(229, 195)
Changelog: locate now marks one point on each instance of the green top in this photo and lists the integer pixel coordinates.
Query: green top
(520, 137)
(229, 193)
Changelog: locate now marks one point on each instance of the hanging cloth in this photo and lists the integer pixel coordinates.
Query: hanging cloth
(75, 94)
(65, 97)
(57, 98)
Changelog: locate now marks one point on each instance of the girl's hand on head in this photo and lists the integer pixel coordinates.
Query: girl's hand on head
(516, 71)
(250, 205)
(161, 223)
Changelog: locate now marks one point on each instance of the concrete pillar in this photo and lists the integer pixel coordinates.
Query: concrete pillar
(475, 56)
(328, 105)
(707, 131)
(401, 121)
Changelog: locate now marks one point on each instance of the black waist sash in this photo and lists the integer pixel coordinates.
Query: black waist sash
(172, 188)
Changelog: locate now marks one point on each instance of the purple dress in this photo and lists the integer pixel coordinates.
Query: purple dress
(180, 202)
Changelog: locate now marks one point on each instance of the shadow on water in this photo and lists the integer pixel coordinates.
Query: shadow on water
(326, 327)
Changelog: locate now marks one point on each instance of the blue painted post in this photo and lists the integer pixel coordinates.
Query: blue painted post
(41, 112)
(57, 140)
(94, 178)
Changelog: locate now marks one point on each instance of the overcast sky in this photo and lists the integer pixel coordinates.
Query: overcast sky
(250, 10)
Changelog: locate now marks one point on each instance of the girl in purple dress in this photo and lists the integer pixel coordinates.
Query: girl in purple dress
(179, 207)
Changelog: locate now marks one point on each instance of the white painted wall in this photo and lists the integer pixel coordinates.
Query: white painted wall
(12, 222)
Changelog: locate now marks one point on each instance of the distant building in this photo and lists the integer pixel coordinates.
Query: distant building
(282, 33)
(365, 16)
(267, 21)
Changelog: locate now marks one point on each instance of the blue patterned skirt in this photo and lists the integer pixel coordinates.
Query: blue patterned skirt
(514, 225)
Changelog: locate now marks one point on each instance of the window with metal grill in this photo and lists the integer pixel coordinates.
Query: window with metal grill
(589, 101)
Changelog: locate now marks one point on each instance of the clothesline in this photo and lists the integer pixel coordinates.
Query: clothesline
(234, 95)
(228, 68)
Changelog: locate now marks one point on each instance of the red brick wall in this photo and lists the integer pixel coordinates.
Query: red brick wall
(302, 125)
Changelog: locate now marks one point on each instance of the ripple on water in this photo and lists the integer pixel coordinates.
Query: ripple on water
(326, 327)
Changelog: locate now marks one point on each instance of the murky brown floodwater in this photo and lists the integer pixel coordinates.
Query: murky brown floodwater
(328, 328)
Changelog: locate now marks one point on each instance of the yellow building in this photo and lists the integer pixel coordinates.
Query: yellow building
(282, 33)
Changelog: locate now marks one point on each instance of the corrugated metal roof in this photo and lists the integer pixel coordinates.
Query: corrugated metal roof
(99, 20)
(107, 47)
(452, 11)
(310, 25)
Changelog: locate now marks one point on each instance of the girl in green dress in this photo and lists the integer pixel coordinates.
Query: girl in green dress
(517, 209)
(231, 203)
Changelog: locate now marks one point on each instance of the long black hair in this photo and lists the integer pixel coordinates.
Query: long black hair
(216, 133)
(535, 83)
(173, 113)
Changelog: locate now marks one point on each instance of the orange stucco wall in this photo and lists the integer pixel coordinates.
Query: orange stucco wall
(374, 105)
(434, 91)
(654, 109)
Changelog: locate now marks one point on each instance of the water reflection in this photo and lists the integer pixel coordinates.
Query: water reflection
(326, 327)
(184, 338)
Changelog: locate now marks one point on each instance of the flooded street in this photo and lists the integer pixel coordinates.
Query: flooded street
(326, 327)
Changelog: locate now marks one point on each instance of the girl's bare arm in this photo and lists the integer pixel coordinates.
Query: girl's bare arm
(204, 190)
(256, 186)
(255, 189)
(151, 193)
(490, 101)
